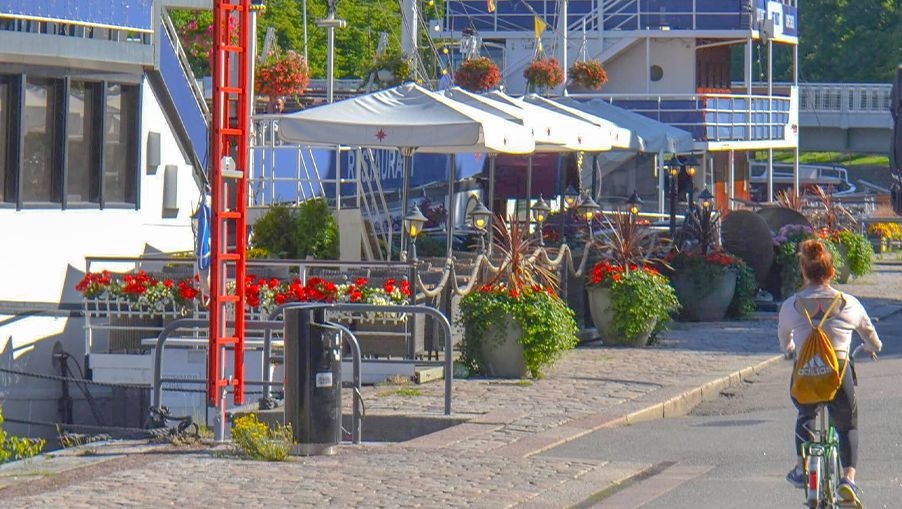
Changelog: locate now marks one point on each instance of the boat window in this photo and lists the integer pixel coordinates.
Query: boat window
(5, 167)
(71, 143)
(82, 182)
(40, 174)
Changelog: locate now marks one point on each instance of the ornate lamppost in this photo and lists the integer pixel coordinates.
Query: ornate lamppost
(568, 200)
(480, 217)
(690, 166)
(413, 225)
(539, 214)
(634, 203)
(706, 199)
(587, 209)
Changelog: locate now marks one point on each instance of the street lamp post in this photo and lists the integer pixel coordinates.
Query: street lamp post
(690, 167)
(330, 23)
(540, 214)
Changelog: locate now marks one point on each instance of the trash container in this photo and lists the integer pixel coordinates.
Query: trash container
(312, 382)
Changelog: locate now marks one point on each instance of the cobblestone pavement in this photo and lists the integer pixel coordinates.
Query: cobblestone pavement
(486, 462)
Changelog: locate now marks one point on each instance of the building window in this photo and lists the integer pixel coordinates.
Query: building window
(82, 161)
(119, 144)
(41, 173)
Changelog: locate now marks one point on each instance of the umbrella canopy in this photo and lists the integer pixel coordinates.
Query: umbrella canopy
(621, 137)
(579, 134)
(406, 116)
(655, 136)
(547, 140)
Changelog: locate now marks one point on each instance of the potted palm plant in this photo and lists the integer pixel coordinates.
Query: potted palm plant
(706, 278)
(515, 324)
(629, 300)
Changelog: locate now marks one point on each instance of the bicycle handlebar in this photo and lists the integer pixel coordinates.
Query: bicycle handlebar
(858, 349)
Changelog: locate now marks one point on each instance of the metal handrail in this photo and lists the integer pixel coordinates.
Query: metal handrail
(364, 308)
(267, 383)
(185, 66)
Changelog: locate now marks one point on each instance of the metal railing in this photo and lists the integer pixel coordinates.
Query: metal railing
(712, 117)
(845, 97)
(119, 20)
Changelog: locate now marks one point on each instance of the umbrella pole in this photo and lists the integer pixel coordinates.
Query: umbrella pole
(659, 168)
(491, 198)
(449, 220)
(407, 160)
(529, 192)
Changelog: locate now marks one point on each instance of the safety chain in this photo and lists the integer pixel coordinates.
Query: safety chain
(74, 380)
(449, 275)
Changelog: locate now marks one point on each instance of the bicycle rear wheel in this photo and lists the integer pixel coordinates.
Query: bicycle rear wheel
(832, 477)
(814, 468)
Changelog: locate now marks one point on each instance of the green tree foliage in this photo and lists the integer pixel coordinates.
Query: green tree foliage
(355, 45)
(850, 40)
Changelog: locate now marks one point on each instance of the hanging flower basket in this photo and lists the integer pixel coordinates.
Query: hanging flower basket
(478, 75)
(588, 74)
(544, 73)
(392, 68)
(282, 74)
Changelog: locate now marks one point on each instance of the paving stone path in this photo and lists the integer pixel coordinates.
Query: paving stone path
(488, 462)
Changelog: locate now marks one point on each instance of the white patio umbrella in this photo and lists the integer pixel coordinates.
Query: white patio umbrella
(410, 118)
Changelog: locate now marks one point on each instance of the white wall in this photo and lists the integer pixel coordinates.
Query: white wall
(628, 72)
(43, 257)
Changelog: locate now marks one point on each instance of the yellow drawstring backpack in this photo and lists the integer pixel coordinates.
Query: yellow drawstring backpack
(816, 376)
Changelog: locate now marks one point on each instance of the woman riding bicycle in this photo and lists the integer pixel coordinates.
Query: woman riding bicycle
(847, 315)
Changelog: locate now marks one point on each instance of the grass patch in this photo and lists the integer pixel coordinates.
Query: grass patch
(839, 158)
(406, 392)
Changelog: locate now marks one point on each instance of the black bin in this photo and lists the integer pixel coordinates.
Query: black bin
(312, 382)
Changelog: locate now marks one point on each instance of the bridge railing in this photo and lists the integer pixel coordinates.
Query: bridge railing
(845, 97)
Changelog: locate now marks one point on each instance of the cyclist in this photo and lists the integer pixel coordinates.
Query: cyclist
(848, 315)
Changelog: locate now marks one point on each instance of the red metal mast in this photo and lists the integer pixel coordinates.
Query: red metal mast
(229, 164)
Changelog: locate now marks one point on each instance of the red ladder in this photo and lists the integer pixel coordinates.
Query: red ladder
(229, 164)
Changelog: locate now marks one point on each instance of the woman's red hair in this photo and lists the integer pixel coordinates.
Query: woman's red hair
(816, 262)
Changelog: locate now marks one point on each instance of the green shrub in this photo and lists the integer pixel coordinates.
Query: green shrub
(14, 448)
(274, 232)
(296, 233)
(316, 231)
(255, 440)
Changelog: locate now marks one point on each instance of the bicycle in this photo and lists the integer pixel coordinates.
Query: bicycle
(820, 456)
